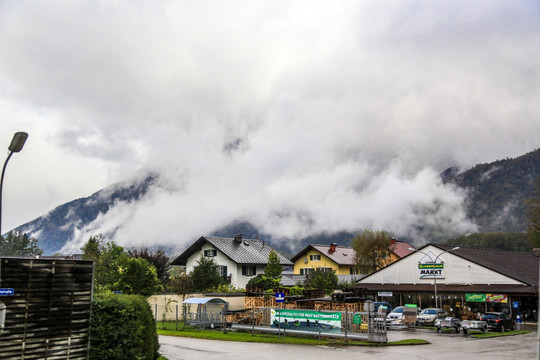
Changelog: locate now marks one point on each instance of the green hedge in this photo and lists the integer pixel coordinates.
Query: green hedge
(122, 327)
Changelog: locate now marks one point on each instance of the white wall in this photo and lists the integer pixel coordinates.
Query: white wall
(456, 271)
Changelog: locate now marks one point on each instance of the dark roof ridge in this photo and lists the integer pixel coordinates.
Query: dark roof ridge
(479, 248)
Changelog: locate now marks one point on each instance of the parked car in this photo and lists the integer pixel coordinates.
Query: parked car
(469, 325)
(448, 323)
(395, 316)
(498, 321)
(429, 315)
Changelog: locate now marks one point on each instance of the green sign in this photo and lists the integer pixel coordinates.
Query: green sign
(475, 297)
(307, 320)
(357, 319)
(410, 305)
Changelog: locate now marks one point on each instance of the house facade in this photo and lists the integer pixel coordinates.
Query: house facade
(339, 259)
(238, 259)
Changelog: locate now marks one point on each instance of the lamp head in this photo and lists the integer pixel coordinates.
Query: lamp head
(18, 141)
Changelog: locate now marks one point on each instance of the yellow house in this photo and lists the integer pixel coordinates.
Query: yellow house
(326, 257)
(341, 258)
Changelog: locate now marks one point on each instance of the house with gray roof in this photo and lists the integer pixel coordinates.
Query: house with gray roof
(239, 259)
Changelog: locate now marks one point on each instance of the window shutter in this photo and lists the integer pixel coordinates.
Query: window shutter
(254, 270)
(225, 272)
(244, 270)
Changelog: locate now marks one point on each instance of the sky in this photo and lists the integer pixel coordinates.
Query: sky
(300, 117)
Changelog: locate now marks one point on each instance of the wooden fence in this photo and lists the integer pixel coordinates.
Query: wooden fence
(48, 314)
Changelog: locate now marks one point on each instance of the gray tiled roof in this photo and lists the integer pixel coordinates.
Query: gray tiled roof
(247, 251)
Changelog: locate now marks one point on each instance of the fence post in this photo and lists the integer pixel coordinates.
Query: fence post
(176, 317)
(252, 320)
(155, 312)
(346, 321)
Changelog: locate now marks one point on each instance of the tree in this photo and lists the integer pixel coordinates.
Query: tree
(19, 244)
(156, 258)
(371, 248)
(273, 268)
(205, 274)
(322, 279)
(533, 204)
(116, 271)
(180, 284)
(136, 276)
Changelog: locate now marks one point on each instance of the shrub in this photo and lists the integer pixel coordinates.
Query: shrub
(296, 290)
(122, 327)
(265, 282)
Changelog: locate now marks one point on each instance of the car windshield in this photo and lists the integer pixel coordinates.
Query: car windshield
(429, 312)
(398, 309)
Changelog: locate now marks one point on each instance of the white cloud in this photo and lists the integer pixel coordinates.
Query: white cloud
(328, 116)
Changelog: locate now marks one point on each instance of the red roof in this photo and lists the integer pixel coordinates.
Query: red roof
(401, 248)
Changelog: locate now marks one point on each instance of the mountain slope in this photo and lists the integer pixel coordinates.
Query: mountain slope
(497, 191)
(496, 195)
(55, 228)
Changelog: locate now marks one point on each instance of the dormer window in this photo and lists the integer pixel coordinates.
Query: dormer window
(210, 253)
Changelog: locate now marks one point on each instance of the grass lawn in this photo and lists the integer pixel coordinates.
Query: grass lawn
(497, 334)
(169, 328)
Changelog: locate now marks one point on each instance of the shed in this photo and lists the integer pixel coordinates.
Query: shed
(205, 312)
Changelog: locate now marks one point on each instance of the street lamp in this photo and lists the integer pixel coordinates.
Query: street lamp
(434, 262)
(16, 145)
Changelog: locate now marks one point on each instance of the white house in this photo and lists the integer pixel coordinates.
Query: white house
(239, 259)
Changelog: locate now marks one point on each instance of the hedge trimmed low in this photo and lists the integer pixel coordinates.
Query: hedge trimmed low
(122, 327)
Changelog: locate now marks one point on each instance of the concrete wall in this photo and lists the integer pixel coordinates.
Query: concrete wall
(166, 304)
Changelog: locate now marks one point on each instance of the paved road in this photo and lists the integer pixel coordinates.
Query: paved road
(443, 346)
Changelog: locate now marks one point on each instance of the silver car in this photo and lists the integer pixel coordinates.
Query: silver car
(428, 316)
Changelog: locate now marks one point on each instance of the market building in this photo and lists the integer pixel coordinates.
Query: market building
(467, 281)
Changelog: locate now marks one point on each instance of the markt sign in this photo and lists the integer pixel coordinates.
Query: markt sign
(427, 269)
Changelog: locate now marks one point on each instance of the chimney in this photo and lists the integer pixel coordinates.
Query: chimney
(238, 238)
(333, 247)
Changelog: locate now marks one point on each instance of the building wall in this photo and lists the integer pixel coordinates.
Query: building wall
(456, 271)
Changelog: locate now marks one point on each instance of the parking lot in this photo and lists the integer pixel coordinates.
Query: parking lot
(442, 346)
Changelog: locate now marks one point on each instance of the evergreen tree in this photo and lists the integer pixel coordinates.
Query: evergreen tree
(273, 268)
(19, 244)
(205, 274)
(322, 279)
(533, 204)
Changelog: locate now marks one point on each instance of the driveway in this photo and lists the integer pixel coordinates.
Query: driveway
(443, 346)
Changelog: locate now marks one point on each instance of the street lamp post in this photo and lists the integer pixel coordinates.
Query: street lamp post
(16, 145)
(434, 275)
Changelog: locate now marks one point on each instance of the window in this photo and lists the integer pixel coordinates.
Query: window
(315, 257)
(222, 269)
(248, 270)
(354, 271)
(306, 271)
(210, 253)
(325, 269)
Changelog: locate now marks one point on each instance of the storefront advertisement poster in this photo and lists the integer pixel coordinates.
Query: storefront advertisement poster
(475, 297)
(306, 320)
(497, 298)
